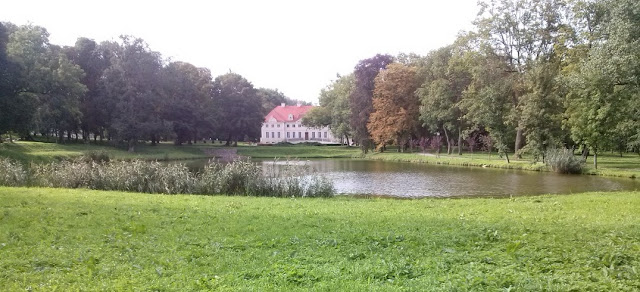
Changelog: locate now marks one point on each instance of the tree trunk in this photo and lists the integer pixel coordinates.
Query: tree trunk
(347, 137)
(460, 141)
(506, 155)
(595, 158)
(446, 136)
(585, 151)
(228, 143)
(132, 145)
(518, 144)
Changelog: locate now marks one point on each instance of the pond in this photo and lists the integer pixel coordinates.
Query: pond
(412, 180)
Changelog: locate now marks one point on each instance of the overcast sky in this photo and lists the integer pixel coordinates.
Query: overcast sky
(297, 47)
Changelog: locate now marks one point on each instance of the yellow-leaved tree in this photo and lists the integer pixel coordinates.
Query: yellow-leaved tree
(395, 106)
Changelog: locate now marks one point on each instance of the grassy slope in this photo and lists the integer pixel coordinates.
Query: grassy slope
(608, 164)
(91, 240)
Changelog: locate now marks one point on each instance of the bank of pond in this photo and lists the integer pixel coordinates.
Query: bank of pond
(301, 178)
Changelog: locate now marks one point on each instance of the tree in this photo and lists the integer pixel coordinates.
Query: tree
(241, 111)
(521, 32)
(542, 110)
(395, 106)
(334, 109)
(487, 99)
(445, 79)
(87, 54)
(361, 98)
(272, 98)
(604, 88)
(9, 100)
(47, 78)
(188, 104)
(133, 83)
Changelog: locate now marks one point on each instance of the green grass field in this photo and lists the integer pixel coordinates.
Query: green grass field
(80, 240)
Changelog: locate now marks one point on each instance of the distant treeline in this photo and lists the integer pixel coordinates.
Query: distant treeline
(120, 91)
(533, 75)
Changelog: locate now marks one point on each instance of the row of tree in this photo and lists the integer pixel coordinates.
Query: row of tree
(533, 75)
(120, 91)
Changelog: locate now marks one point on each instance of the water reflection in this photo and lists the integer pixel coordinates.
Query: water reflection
(423, 180)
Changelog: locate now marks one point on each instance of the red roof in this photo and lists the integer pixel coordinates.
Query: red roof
(281, 113)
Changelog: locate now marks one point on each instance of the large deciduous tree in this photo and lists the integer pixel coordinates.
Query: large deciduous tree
(361, 98)
(188, 104)
(522, 33)
(133, 82)
(395, 106)
(603, 95)
(241, 111)
(47, 77)
(445, 79)
(87, 54)
(334, 110)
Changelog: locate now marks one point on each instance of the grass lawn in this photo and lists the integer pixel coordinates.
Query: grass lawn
(46, 152)
(78, 240)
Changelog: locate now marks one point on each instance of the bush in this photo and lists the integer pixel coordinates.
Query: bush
(563, 161)
(12, 173)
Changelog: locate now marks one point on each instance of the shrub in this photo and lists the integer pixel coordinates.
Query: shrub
(12, 173)
(563, 161)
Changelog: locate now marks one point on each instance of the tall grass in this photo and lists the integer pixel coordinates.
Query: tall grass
(12, 173)
(563, 161)
(235, 178)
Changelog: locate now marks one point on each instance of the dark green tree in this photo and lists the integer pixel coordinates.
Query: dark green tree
(188, 104)
(133, 82)
(240, 108)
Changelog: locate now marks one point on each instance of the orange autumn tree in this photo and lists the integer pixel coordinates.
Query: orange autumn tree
(395, 106)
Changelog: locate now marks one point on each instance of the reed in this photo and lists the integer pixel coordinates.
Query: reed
(234, 178)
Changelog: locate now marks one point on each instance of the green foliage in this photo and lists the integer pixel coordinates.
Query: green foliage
(563, 161)
(60, 239)
(334, 108)
(240, 108)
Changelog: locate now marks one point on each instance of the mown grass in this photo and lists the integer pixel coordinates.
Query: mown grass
(66, 240)
(38, 152)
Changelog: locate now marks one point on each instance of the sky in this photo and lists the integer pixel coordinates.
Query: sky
(297, 47)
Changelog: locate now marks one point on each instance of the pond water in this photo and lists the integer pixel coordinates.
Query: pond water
(411, 180)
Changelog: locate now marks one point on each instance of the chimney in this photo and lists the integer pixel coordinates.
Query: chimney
(282, 104)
